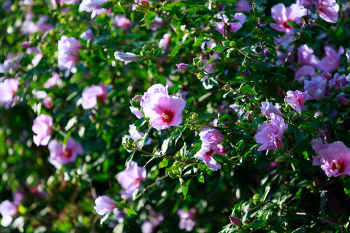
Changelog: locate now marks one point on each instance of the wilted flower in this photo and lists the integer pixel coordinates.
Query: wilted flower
(62, 154)
(235, 220)
(130, 179)
(122, 22)
(270, 135)
(104, 206)
(42, 128)
(87, 35)
(126, 56)
(316, 87)
(331, 61)
(296, 100)
(268, 108)
(90, 95)
(338, 81)
(187, 218)
(232, 27)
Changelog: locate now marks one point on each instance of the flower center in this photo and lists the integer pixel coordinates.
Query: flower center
(167, 116)
(209, 152)
(66, 154)
(338, 165)
(214, 138)
(286, 25)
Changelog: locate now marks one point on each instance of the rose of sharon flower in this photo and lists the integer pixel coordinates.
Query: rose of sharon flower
(12, 62)
(7, 210)
(296, 100)
(302, 72)
(90, 95)
(87, 35)
(18, 197)
(334, 160)
(206, 155)
(210, 137)
(69, 44)
(233, 27)
(122, 22)
(68, 55)
(305, 3)
(104, 206)
(126, 56)
(42, 128)
(91, 6)
(328, 10)
(62, 154)
(164, 111)
(338, 81)
(182, 66)
(343, 98)
(331, 61)
(243, 6)
(130, 179)
(235, 220)
(316, 87)
(268, 108)
(7, 89)
(270, 135)
(164, 43)
(51, 82)
(187, 218)
(154, 89)
(136, 112)
(135, 135)
(306, 57)
(151, 224)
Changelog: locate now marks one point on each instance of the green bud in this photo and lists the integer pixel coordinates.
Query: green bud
(200, 63)
(256, 196)
(194, 116)
(200, 75)
(225, 43)
(349, 68)
(281, 159)
(233, 44)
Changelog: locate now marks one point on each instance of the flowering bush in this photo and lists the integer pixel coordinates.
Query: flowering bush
(173, 116)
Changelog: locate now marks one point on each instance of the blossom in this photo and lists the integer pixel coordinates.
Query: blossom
(210, 136)
(62, 154)
(119, 215)
(51, 82)
(334, 160)
(233, 27)
(235, 220)
(130, 179)
(91, 6)
(306, 57)
(18, 197)
(338, 81)
(7, 89)
(104, 206)
(243, 6)
(122, 22)
(268, 108)
(316, 87)
(240, 110)
(68, 55)
(331, 61)
(318, 145)
(305, 3)
(42, 128)
(69, 44)
(136, 112)
(26, 44)
(164, 111)
(12, 62)
(29, 27)
(182, 66)
(7, 210)
(151, 224)
(187, 218)
(270, 135)
(206, 155)
(154, 89)
(126, 56)
(327, 9)
(135, 135)
(87, 35)
(296, 100)
(282, 15)
(164, 43)
(343, 98)
(90, 95)
(305, 70)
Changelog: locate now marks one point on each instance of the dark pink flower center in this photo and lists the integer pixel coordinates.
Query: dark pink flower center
(167, 116)
(102, 98)
(286, 25)
(338, 165)
(66, 154)
(209, 152)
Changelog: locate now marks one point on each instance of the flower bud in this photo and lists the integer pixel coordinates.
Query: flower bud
(194, 116)
(182, 66)
(200, 63)
(235, 220)
(225, 43)
(200, 75)
(233, 44)
(281, 159)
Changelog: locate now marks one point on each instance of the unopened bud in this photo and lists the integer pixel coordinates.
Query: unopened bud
(200, 63)
(226, 43)
(233, 44)
(281, 159)
(194, 116)
(200, 75)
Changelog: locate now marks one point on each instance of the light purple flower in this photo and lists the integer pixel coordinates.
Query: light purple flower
(91, 6)
(316, 87)
(7, 210)
(62, 154)
(296, 100)
(29, 27)
(210, 137)
(235, 220)
(69, 44)
(87, 35)
(270, 135)
(206, 155)
(42, 128)
(306, 57)
(12, 62)
(182, 66)
(240, 110)
(282, 15)
(164, 111)
(305, 3)
(136, 112)
(131, 178)
(67, 60)
(119, 215)
(51, 82)
(7, 89)
(135, 135)
(330, 62)
(335, 160)
(126, 56)
(318, 145)
(305, 70)
(328, 10)
(233, 27)
(18, 197)
(90, 95)
(164, 43)
(268, 108)
(26, 44)
(187, 221)
(154, 89)
(338, 81)
(104, 206)
(150, 225)
(122, 22)
(243, 6)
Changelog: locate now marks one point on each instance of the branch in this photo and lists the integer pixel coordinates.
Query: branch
(150, 186)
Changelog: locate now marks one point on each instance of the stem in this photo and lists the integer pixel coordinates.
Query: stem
(150, 186)
(258, 26)
(210, 126)
(296, 42)
(167, 157)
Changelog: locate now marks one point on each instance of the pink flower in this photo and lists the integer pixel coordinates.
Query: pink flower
(26, 44)
(12, 62)
(235, 220)
(343, 98)
(233, 27)
(126, 56)
(51, 82)
(206, 155)
(187, 218)
(270, 135)
(182, 66)
(18, 197)
(90, 95)
(316, 87)
(282, 15)
(164, 111)
(338, 81)
(42, 128)
(67, 60)
(243, 6)
(87, 35)
(91, 6)
(305, 70)
(69, 44)
(154, 89)
(135, 135)
(164, 43)
(7, 210)
(305, 3)
(151, 224)
(131, 178)
(136, 112)
(334, 160)
(331, 61)
(122, 22)
(296, 100)
(268, 108)
(104, 206)
(328, 10)
(30, 27)
(7, 89)
(318, 145)
(62, 154)
(210, 137)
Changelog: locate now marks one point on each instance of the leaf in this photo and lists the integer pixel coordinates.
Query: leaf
(201, 178)
(204, 116)
(210, 60)
(247, 89)
(256, 122)
(130, 210)
(152, 68)
(347, 185)
(183, 150)
(222, 158)
(165, 146)
(118, 9)
(267, 190)
(71, 123)
(129, 159)
(185, 188)
(175, 50)
(299, 137)
(293, 24)
(139, 122)
(149, 17)
(154, 174)
(118, 228)
(256, 224)
(163, 163)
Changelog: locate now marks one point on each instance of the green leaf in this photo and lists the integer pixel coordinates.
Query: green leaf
(71, 123)
(163, 163)
(129, 159)
(165, 146)
(183, 150)
(154, 174)
(247, 89)
(256, 224)
(267, 190)
(149, 17)
(299, 137)
(139, 122)
(175, 50)
(201, 178)
(222, 158)
(152, 69)
(204, 116)
(293, 24)
(347, 185)
(210, 60)
(185, 188)
(118, 9)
